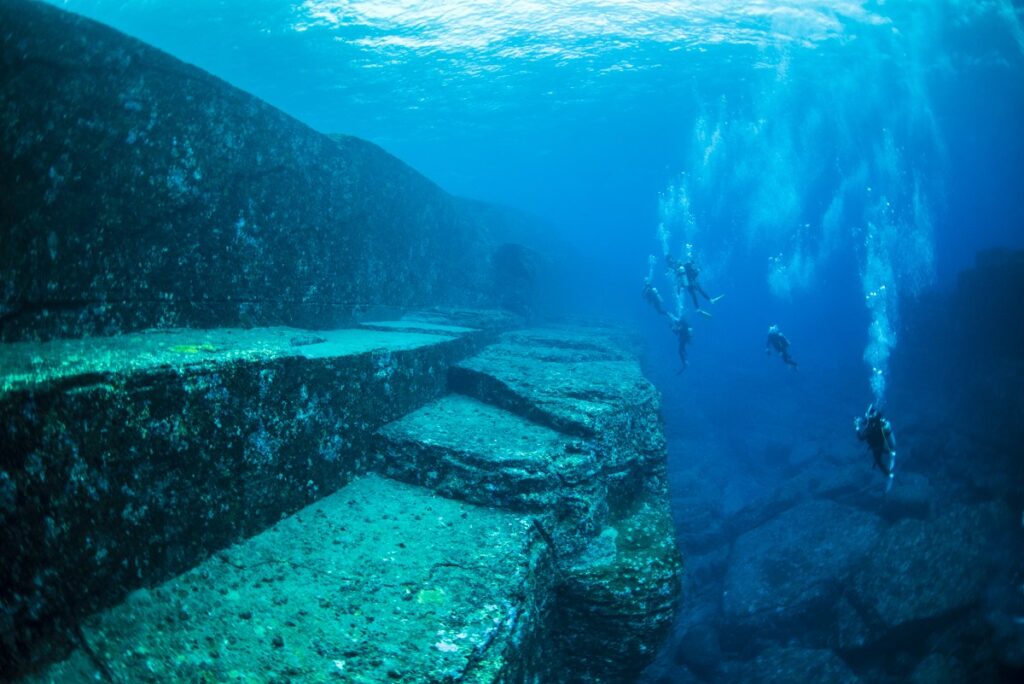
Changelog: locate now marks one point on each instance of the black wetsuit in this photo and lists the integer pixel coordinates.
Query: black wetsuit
(876, 431)
(779, 343)
(692, 285)
(653, 297)
(682, 331)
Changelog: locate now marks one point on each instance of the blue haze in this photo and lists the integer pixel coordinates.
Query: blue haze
(813, 142)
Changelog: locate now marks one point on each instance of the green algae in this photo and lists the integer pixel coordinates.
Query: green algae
(431, 596)
(193, 348)
(322, 595)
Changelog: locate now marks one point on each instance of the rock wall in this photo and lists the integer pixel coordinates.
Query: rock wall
(138, 191)
(517, 552)
(128, 459)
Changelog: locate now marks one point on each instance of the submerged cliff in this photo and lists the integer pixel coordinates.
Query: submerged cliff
(138, 191)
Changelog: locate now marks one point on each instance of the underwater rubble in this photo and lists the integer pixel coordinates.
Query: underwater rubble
(836, 582)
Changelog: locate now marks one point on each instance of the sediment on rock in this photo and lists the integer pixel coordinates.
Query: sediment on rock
(225, 431)
(129, 459)
(138, 191)
(379, 581)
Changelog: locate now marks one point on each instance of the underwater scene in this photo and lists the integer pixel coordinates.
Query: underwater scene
(480, 341)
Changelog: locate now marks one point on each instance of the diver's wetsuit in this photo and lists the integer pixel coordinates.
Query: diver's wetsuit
(778, 342)
(692, 285)
(685, 334)
(653, 297)
(877, 432)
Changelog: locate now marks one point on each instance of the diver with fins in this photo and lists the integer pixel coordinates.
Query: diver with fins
(777, 341)
(686, 275)
(684, 332)
(653, 297)
(874, 429)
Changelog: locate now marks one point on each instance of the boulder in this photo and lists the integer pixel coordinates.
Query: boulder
(924, 569)
(790, 665)
(784, 577)
(700, 651)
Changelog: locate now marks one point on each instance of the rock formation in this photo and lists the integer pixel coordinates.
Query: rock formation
(137, 191)
(211, 471)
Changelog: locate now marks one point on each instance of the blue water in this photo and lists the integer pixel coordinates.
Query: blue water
(828, 164)
(809, 140)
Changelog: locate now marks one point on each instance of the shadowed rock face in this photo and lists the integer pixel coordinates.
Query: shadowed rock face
(138, 191)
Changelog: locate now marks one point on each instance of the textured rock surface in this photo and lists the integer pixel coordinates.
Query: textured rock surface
(481, 453)
(789, 572)
(220, 432)
(789, 665)
(924, 569)
(379, 581)
(584, 383)
(618, 599)
(137, 191)
(126, 459)
(600, 502)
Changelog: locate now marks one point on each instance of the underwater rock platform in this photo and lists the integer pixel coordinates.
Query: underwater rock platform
(379, 581)
(202, 506)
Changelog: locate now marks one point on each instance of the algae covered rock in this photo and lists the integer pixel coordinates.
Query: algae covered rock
(546, 576)
(581, 382)
(618, 599)
(138, 191)
(789, 572)
(478, 452)
(378, 582)
(559, 423)
(924, 569)
(128, 459)
(788, 665)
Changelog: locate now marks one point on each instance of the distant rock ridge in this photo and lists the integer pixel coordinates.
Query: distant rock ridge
(138, 191)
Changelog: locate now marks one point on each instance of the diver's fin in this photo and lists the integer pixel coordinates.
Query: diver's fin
(703, 313)
(715, 299)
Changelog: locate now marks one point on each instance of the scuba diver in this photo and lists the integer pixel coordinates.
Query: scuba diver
(685, 333)
(777, 341)
(686, 279)
(876, 430)
(653, 297)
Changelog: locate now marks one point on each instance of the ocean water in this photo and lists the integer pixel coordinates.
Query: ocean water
(831, 167)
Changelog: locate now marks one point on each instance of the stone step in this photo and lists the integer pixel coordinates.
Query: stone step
(466, 449)
(485, 320)
(128, 459)
(562, 378)
(600, 500)
(579, 381)
(378, 582)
